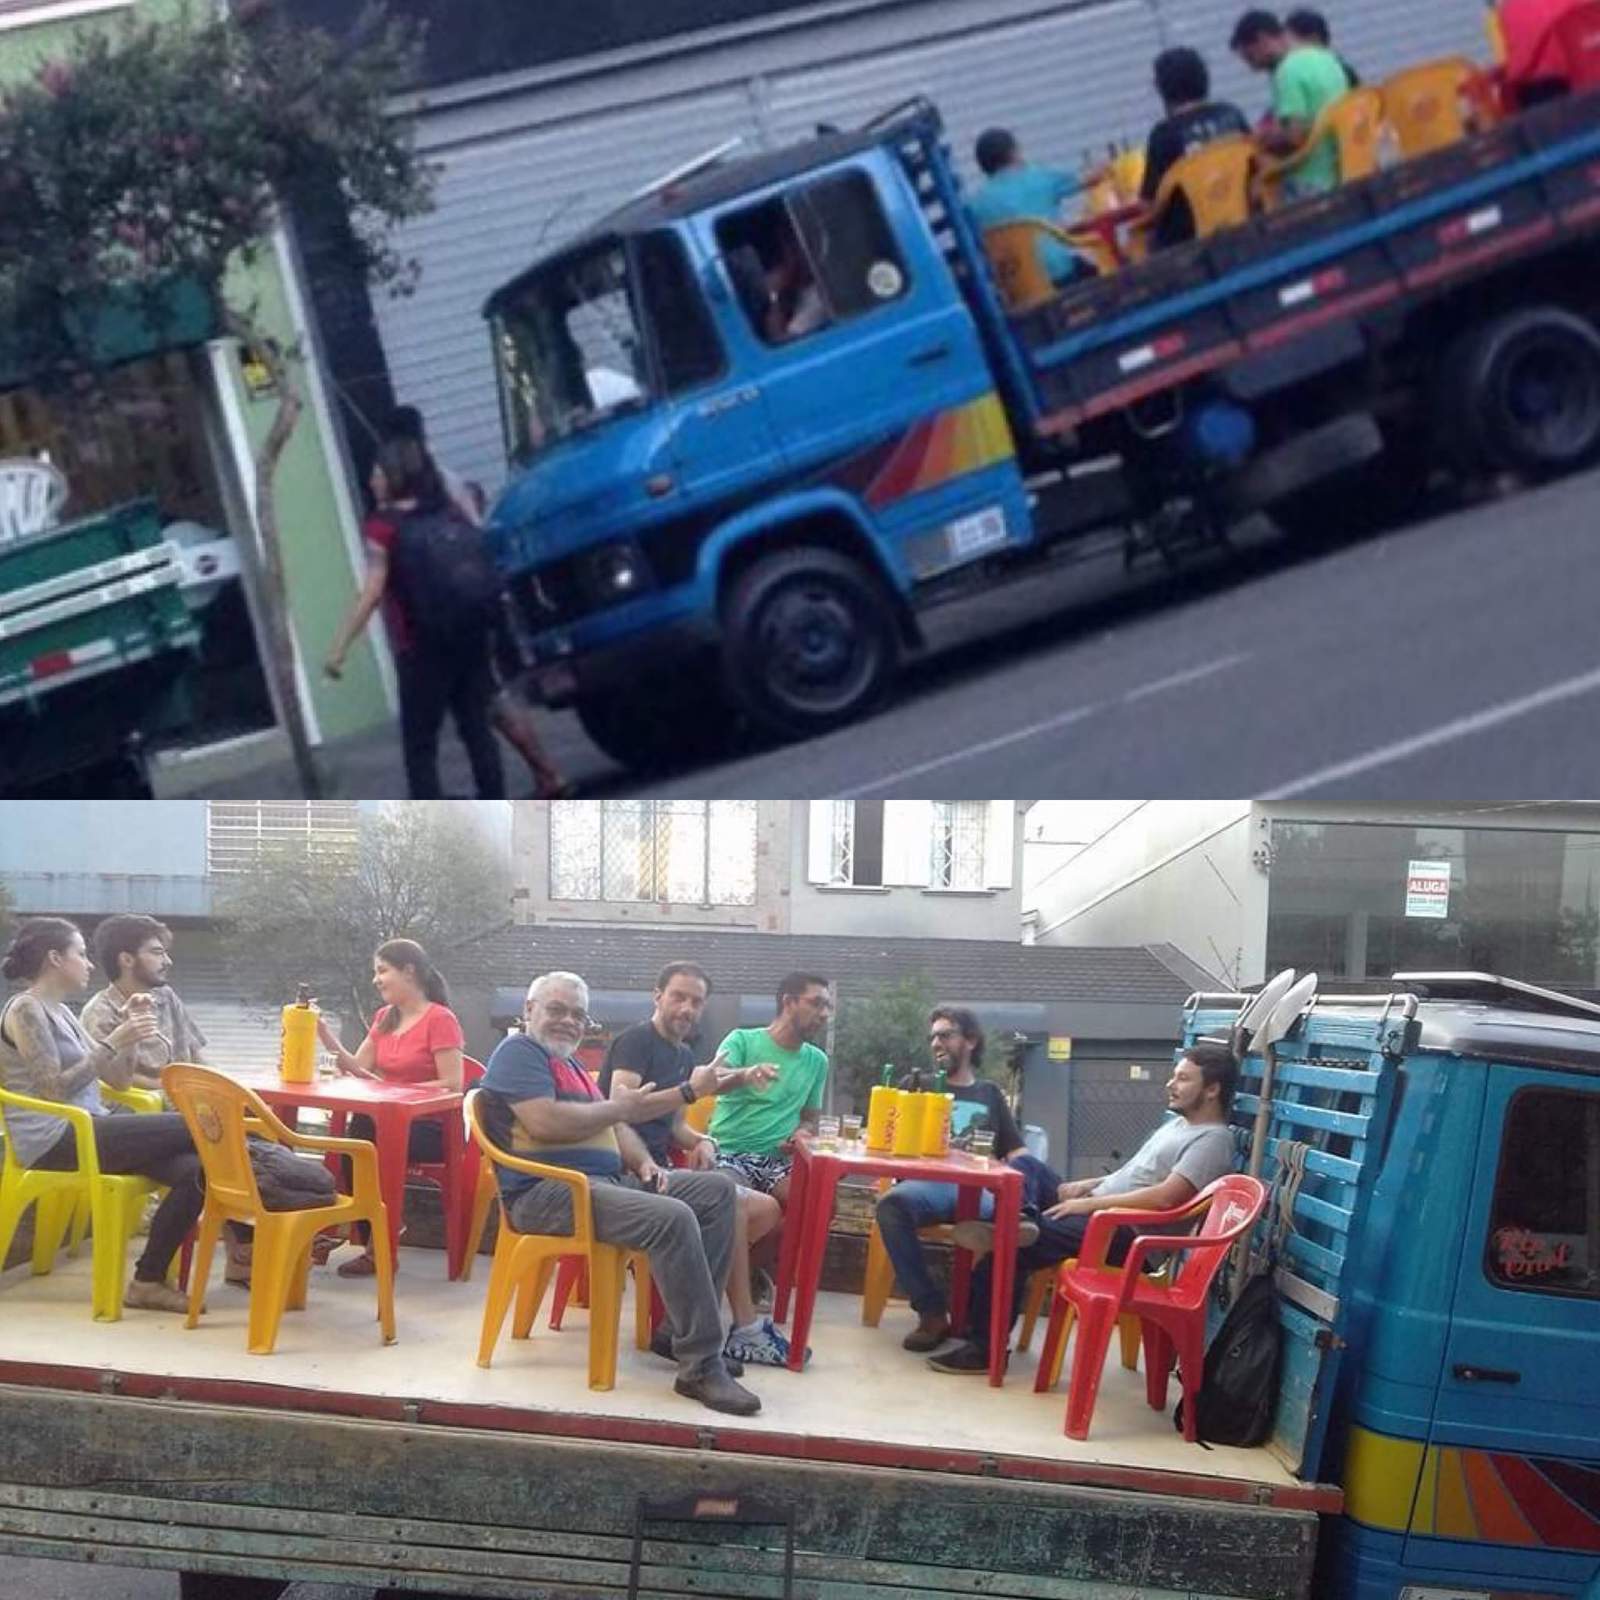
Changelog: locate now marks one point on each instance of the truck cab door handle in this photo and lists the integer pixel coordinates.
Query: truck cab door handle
(1471, 1374)
(927, 358)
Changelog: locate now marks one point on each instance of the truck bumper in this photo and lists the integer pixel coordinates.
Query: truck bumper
(562, 675)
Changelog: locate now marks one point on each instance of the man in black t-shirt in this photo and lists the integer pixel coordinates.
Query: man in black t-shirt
(657, 1052)
(1193, 120)
(955, 1038)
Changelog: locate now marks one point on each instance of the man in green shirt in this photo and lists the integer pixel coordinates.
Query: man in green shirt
(1306, 79)
(755, 1128)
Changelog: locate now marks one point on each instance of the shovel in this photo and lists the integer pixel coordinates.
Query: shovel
(1256, 1010)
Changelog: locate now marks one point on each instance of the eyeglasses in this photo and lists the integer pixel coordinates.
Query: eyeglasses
(555, 1012)
(939, 1035)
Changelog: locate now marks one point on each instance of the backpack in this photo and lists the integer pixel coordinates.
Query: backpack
(1239, 1388)
(445, 576)
(287, 1182)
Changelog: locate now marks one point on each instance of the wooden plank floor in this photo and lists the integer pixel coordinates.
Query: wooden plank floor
(861, 1386)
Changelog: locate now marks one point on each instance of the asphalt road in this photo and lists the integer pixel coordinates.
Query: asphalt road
(1457, 658)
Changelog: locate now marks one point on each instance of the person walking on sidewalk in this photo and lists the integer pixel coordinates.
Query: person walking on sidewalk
(428, 568)
(955, 1038)
(1191, 1148)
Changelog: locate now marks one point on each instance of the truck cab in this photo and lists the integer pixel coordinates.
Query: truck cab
(1440, 1292)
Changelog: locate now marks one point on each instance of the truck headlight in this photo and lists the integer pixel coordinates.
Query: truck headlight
(620, 571)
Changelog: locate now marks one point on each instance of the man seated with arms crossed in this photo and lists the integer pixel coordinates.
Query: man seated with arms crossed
(1190, 1149)
(956, 1039)
(657, 1051)
(538, 1103)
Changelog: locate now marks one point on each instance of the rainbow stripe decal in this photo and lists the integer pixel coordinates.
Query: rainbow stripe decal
(947, 445)
(1479, 1496)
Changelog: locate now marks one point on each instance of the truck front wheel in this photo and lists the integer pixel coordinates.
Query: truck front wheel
(1531, 389)
(810, 641)
(682, 722)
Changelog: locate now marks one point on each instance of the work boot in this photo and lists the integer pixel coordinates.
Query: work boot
(714, 1388)
(661, 1345)
(145, 1296)
(978, 1237)
(967, 1360)
(930, 1332)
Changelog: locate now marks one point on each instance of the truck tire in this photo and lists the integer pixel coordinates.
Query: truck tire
(1527, 392)
(809, 641)
(651, 731)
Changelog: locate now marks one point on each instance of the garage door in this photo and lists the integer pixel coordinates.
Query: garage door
(525, 168)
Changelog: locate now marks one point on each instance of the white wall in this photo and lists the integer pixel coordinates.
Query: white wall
(1165, 871)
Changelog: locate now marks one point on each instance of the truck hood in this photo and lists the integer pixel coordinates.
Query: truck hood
(583, 491)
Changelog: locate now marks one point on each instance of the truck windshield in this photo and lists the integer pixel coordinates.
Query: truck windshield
(571, 349)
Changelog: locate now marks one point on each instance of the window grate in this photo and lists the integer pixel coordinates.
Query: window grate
(237, 831)
(959, 831)
(685, 852)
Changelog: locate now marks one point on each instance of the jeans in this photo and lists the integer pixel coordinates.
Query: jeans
(1060, 1239)
(905, 1208)
(687, 1233)
(460, 681)
(156, 1146)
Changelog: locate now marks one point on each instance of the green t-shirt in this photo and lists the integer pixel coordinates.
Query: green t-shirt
(1304, 83)
(756, 1122)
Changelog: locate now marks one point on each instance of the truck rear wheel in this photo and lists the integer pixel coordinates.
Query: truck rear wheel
(1528, 392)
(810, 641)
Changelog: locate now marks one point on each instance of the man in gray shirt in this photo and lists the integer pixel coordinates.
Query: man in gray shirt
(135, 954)
(1189, 1150)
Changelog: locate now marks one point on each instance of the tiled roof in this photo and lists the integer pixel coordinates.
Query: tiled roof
(752, 963)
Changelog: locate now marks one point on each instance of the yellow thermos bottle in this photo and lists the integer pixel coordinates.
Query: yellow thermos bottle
(298, 1063)
(909, 1104)
(881, 1112)
(936, 1113)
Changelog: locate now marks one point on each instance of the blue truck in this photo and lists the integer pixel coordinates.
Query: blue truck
(740, 502)
(1434, 1157)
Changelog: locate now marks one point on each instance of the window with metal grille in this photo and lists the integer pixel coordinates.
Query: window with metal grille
(687, 852)
(960, 828)
(855, 843)
(237, 831)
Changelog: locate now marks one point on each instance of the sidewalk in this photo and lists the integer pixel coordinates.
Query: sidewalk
(368, 766)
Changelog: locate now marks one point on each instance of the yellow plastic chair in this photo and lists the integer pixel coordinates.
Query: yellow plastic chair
(113, 1202)
(1041, 1286)
(1354, 122)
(220, 1113)
(525, 1262)
(1013, 251)
(1215, 180)
(1425, 105)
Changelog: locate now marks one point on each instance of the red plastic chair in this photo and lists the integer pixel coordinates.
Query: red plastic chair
(458, 1207)
(1173, 1316)
(1577, 41)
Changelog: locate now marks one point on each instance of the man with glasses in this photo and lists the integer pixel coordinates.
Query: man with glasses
(955, 1038)
(538, 1103)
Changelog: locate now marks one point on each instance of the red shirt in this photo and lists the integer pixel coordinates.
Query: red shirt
(407, 1056)
(1528, 28)
(380, 532)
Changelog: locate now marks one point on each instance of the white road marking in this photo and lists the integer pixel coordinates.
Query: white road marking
(1445, 733)
(1179, 679)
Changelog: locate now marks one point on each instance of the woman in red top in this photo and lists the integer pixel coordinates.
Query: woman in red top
(414, 1039)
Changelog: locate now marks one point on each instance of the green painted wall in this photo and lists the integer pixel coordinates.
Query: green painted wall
(322, 578)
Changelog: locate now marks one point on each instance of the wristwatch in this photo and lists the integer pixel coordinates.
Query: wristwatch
(686, 1089)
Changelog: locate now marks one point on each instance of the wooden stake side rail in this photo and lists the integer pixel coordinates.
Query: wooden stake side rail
(437, 1497)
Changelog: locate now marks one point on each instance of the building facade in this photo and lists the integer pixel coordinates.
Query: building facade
(896, 868)
(1356, 892)
(181, 426)
(544, 118)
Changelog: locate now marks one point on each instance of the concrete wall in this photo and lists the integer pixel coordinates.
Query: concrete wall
(101, 856)
(1178, 872)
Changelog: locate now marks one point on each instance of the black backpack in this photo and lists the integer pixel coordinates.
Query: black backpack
(1239, 1390)
(445, 576)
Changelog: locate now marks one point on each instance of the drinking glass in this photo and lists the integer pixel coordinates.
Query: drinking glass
(981, 1143)
(850, 1129)
(828, 1134)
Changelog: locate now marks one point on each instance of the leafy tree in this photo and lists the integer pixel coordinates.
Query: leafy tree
(888, 1023)
(156, 154)
(309, 914)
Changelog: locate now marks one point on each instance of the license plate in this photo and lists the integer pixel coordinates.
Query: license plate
(975, 534)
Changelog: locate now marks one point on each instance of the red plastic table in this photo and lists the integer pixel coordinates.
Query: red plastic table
(812, 1186)
(393, 1107)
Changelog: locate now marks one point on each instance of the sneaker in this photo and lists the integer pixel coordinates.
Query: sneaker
(965, 1359)
(717, 1390)
(929, 1334)
(661, 1345)
(762, 1346)
(143, 1296)
(978, 1237)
